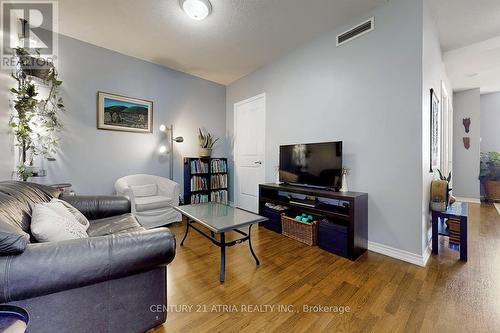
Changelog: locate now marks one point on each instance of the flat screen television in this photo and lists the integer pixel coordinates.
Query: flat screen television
(312, 164)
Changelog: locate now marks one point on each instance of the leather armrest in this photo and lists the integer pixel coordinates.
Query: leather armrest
(98, 207)
(46, 268)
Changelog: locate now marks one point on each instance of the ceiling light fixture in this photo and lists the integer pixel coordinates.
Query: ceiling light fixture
(196, 9)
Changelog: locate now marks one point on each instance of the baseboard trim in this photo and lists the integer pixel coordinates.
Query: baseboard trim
(497, 206)
(412, 258)
(427, 254)
(471, 200)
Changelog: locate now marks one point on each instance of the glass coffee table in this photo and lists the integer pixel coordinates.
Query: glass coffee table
(219, 219)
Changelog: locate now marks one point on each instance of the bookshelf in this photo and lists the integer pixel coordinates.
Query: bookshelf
(205, 180)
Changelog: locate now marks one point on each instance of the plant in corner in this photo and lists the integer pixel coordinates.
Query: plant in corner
(441, 177)
(34, 120)
(451, 198)
(207, 142)
(490, 175)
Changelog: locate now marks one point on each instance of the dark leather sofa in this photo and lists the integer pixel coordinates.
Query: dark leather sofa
(113, 281)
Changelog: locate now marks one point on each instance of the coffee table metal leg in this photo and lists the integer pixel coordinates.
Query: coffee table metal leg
(250, 243)
(185, 235)
(222, 257)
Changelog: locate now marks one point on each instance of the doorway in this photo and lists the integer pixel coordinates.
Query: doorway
(249, 151)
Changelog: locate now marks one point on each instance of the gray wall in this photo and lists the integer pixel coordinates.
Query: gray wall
(466, 104)
(490, 122)
(93, 159)
(367, 93)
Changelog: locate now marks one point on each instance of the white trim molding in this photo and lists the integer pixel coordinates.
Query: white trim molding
(412, 258)
(497, 206)
(470, 200)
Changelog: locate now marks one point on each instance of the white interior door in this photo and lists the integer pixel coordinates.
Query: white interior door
(249, 151)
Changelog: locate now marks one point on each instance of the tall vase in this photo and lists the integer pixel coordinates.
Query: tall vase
(344, 187)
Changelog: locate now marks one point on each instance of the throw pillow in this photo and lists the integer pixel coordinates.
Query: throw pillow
(12, 240)
(75, 212)
(52, 222)
(148, 190)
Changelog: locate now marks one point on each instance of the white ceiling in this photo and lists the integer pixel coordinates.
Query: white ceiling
(468, 31)
(475, 66)
(236, 39)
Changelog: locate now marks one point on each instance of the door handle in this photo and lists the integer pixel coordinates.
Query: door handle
(258, 162)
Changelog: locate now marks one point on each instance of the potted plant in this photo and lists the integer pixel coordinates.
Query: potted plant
(449, 198)
(34, 120)
(490, 175)
(207, 141)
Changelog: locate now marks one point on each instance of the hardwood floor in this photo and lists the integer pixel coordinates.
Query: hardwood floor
(383, 294)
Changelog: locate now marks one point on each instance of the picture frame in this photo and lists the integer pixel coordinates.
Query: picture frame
(125, 114)
(435, 132)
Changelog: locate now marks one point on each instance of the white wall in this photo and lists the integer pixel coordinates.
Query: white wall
(434, 74)
(490, 122)
(466, 104)
(93, 159)
(367, 93)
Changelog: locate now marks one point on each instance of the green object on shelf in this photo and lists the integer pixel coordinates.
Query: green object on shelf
(310, 217)
(298, 218)
(304, 215)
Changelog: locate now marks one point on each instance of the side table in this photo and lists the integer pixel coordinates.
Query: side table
(459, 211)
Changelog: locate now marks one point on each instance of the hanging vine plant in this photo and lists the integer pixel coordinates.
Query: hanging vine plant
(34, 120)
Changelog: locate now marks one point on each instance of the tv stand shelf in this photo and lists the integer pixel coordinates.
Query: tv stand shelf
(353, 217)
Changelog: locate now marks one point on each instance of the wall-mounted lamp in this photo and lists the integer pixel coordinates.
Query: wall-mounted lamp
(163, 149)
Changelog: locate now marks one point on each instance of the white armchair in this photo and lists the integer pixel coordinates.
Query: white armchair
(152, 198)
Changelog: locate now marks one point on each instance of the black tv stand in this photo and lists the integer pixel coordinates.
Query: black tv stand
(324, 188)
(351, 218)
(303, 202)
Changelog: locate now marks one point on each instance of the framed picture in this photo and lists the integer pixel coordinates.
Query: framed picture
(435, 139)
(121, 113)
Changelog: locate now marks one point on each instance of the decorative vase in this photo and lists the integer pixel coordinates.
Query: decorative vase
(492, 189)
(344, 187)
(205, 152)
(277, 181)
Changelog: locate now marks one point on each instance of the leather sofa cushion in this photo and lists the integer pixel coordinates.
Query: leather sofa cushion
(114, 225)
(150, 203)
(12, 239)
(99, 207)
(17, 200)
(147, 190)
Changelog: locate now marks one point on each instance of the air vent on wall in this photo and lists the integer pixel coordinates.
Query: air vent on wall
(357, 31)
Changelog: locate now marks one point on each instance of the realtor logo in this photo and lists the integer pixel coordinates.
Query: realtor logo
(31, 25)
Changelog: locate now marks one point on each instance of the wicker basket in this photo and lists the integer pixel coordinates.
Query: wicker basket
(304, 232)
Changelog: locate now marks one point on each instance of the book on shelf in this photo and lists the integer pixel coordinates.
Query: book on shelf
(218, 181)
(198, 166)
(218, 165)
(199, 198)
(219, 196)
(198, 183)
